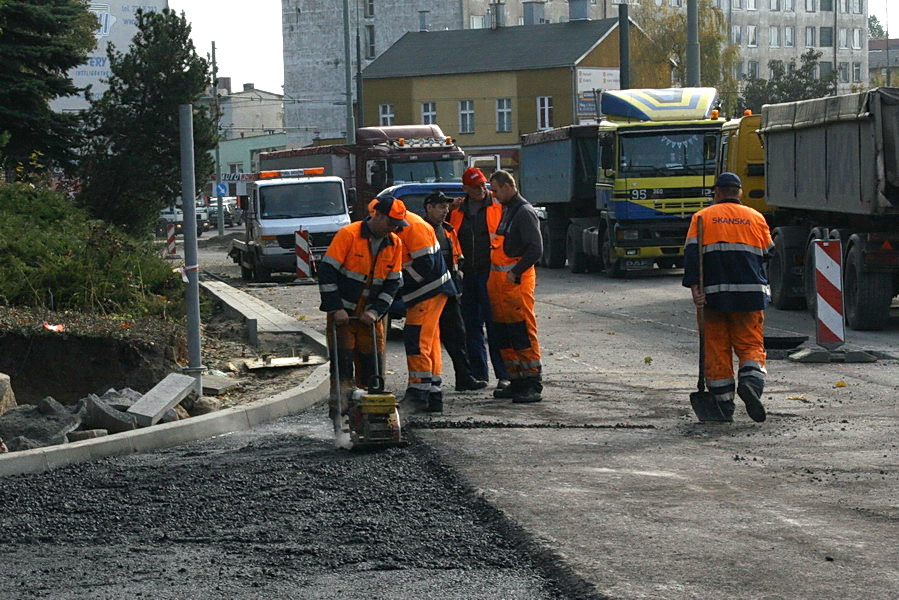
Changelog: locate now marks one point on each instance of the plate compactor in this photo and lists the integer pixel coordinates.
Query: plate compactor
(366, 418)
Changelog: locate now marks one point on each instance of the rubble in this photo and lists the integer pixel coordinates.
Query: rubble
(7, 397)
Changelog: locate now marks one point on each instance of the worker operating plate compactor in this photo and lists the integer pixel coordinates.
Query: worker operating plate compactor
(368, 418)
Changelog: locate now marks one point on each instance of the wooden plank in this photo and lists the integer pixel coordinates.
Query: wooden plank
(287, 361)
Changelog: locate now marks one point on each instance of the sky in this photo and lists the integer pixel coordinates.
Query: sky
(247, 36)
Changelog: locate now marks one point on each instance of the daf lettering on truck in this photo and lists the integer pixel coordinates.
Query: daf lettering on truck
(279, 204)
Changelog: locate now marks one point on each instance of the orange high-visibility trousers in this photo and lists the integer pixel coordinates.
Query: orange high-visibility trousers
(515, 322)
(355, 353)
(421, 335)
(728, 333)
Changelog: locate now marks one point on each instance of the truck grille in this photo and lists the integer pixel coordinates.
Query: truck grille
(321, 239)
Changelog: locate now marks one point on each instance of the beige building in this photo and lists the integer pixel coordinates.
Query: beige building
(488, 87)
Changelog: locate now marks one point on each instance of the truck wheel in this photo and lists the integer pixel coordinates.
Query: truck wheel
(781, 268)
(577, 260)
(555, 241)
(867, 295)
(246, 273)
(610, 263)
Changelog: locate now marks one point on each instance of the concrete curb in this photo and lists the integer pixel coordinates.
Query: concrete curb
(314, 389)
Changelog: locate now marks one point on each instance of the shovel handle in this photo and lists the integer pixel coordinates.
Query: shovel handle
(700, 311)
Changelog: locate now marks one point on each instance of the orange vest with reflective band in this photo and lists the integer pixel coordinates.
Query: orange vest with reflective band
(494, 215)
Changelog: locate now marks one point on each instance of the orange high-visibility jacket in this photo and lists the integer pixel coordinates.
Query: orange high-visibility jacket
(349, 278)
(425, 273)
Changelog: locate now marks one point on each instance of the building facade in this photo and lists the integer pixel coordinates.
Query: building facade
(883, 62)
(784, 30)
(314, 64)
(249, 112)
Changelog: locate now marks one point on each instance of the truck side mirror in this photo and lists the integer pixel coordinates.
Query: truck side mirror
(350, 198)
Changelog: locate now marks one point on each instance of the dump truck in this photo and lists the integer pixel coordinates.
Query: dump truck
(619, 194)
(279, 203)
(832, 172)
(380, 158)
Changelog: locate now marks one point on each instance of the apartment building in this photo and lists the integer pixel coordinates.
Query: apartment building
(314, 65)
(784, 30)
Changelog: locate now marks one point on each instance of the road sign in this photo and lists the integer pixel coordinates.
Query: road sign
(829, 288)
(221, 189)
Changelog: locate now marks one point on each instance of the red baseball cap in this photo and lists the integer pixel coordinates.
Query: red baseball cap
(473, 176)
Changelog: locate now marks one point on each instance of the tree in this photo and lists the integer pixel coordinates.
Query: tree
(667, 28)
(875, 29)
(131, 166)
(40, 40)
(788, 84)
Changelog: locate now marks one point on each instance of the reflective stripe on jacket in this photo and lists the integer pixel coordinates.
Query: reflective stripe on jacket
(450, 232)
(424, 271)
(736, 241)
(348, 278)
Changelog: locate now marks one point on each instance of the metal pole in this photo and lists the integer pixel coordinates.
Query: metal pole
(692, 43)
(350, 121)
(191, 267)
(624, 54)
(360, 112)
(218, 164)
(887, 17)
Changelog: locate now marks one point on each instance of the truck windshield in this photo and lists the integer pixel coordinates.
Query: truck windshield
(430, 171)
(666, 154)
(297, 200)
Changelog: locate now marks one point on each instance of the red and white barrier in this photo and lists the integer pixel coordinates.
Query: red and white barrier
(170, 248)
(829, 286)
(304, 255)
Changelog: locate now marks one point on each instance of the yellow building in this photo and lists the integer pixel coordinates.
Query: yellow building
(488, 87)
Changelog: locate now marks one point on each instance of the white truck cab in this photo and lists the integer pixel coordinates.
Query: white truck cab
(279, 204)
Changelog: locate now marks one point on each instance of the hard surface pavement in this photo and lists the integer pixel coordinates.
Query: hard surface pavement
(608, 488)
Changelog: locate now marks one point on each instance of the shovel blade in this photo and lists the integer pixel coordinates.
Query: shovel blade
(707, 408)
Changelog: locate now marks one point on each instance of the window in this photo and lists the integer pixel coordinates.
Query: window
(809, 5)
(774, 37)
(675, 2)
(825, 68)
(753, 69)
(791, 67)
(775, 5)
(385, 112)
(844, 37)
(544, 112)
(826, 5)
(857, 39)
(844, 72)
(466, 116)
(369, 41)
(826, 37)
(477, 21)
(752, 4)
(810, 37)
(739, 71)
(752, 39)
(789, 5)
(503, 114)
(736, 4)
(858, 7)
(369, 8)
(789, 36)
(428, 113)
(856, 72)
(736, 35)
(844, 6)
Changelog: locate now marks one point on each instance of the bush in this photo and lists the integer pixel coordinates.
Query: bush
(56, 258)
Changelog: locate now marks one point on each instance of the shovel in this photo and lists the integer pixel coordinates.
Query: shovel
(704, 404)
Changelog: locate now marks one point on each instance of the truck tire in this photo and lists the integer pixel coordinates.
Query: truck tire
(246, 273)
(782, 274)
(577, 260)
(610, 264)
(554, 230)
(867, 294)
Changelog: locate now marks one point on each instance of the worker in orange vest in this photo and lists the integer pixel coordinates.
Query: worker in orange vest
(516, 247)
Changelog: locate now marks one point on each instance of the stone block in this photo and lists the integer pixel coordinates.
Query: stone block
(49, 406)
(7, 397)
(205, 405)
(165, 395)
(100, 415)
(86, 434)
(46, 430)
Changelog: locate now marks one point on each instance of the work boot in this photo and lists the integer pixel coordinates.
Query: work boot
(727, 410)
(503, 389)
(529, 391)
(416, 399)
(750, 392)
(435, 400)
(470, 384)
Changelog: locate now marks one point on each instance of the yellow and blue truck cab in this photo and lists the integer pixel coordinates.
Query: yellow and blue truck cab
(741, 152)
(619, 194)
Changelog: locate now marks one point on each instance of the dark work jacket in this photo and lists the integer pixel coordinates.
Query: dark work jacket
(520, 228)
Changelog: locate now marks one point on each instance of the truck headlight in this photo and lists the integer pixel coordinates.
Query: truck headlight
(268, 241)
(628, 234)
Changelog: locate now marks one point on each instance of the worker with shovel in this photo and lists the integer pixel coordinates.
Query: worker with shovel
(724, 257)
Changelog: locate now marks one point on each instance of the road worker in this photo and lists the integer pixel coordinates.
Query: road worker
(475, 221)
(452, 327)
(359, 276)
(735, 242)
(515, 248)
(427, 285)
